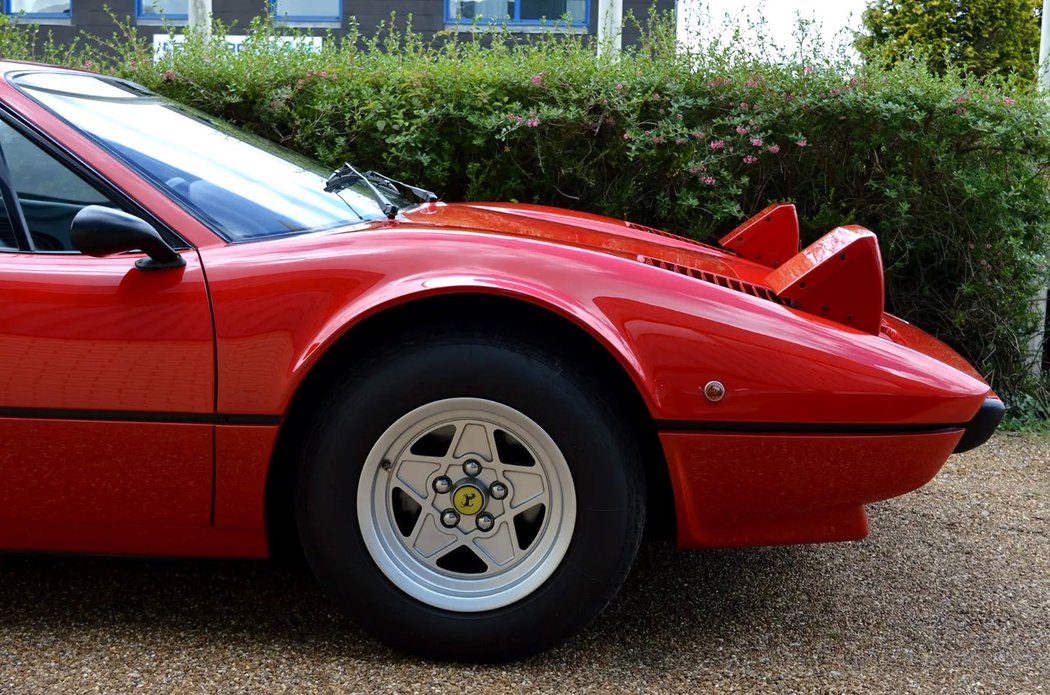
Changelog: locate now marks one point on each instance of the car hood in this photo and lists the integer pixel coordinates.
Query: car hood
(584, 230)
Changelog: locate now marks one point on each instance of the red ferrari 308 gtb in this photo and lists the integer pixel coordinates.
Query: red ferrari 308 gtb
(460, 413)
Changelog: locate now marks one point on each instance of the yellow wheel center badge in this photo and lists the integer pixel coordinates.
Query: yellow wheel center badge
(468, 500)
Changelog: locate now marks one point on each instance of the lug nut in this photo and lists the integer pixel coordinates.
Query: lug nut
(498, 491)
(442, 485)
(449, 518)
(471, 468)
(485, 522)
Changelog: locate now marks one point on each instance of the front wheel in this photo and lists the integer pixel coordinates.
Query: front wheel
(471, 497)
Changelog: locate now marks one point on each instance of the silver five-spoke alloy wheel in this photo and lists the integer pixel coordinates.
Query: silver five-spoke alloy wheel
(466, 504)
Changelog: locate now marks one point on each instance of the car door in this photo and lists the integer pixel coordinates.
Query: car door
(107, 384)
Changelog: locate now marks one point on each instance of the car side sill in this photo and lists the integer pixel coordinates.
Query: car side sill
(138, 416)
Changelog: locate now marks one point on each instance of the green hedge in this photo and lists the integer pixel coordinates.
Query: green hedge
(948, 171)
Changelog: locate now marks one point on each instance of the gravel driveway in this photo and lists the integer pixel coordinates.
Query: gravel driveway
(950, 593)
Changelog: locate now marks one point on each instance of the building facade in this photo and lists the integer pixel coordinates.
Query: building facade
(69, 18)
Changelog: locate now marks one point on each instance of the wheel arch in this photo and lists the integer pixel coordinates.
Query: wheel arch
(508, 314)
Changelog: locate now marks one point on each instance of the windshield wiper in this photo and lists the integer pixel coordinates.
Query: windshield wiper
(400, 188)
(347, 175)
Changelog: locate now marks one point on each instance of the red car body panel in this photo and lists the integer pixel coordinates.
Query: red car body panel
(744, 489)
(670, 332)
(204, 363)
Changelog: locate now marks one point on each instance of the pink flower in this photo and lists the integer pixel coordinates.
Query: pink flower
(678, 116)
(744, 106)
(742, 130)
(694, 170)
(628, 136)
(751, 82)
(717, 145)
(680, 141)
(1007, 101)
(789, 97)
(750, 159)
(807, 70)
(708, 180)
(757, 142)
(773, 149)
(835, 92)
(802, 143)
(961, 99)
(532, 122)
(960, 110)
(536, 80)
(323, 73)
(699, 135)
(619, 87)
(169, 75)
(658, 140)
(88, 64)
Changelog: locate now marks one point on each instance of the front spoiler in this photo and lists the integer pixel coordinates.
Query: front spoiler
(737, 489)
(790, 484)
(981, 427)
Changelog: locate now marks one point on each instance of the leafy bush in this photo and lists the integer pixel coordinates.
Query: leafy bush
(982, 36)
(948, 170)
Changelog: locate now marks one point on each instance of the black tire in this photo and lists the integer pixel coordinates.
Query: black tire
(568, 404)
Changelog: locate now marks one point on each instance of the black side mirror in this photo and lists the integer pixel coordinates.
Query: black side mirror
(102, 231)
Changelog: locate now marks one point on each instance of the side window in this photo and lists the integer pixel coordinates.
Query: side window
(174, 10)
(307, 10)
(39, 8)
(49, 194)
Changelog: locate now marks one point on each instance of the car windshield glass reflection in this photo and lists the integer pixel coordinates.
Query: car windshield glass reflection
(241, 186)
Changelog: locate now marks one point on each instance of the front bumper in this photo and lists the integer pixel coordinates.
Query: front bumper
(737, 489)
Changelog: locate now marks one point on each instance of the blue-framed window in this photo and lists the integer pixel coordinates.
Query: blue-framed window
(162, 9)
(307, 10)
(522, 12)
(39, 8)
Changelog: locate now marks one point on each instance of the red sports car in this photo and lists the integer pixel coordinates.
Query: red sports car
(461, 414)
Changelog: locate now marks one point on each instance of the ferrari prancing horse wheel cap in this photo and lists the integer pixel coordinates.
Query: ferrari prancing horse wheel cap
(468, 499)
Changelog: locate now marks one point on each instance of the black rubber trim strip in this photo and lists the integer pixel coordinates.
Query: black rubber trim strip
(983, 424)
(798, 427)
(138, 416)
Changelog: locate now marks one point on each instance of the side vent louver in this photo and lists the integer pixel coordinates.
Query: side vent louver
(715, 279)
(669, 235)
(658, 232)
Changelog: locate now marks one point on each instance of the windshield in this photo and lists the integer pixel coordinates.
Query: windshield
(242, 186)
